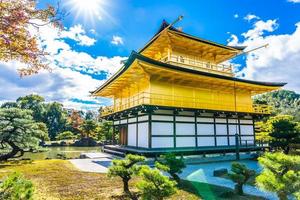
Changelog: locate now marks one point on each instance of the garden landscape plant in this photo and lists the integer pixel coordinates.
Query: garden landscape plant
(281, 174)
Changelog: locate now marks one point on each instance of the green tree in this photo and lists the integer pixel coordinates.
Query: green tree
(16, 187)
(88, 128)
(19, 132)
(104, 131)
(154, 185)
(281, 174)
(55, 117)
(89, 115)
(174, 165)
(125, 169)
(240, 174)
(282, 130)
(9, 105)
(284, 102)
(66, 135)
(35, 103)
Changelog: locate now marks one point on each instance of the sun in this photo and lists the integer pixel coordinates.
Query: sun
(89, 10)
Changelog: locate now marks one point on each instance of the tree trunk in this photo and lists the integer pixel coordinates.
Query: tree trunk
(14, 151)
(125, 186)
(239, 189)
(175, 177)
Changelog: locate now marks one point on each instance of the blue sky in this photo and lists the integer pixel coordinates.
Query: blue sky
(95, 39)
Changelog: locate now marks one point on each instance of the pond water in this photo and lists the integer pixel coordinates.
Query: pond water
(68, 151)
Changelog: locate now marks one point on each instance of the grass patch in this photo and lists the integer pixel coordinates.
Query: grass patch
(59, 179)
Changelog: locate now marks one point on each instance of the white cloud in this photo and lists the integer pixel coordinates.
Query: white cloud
(249, 17)
(236, 16)
(72, 77)
(279, 62)
(260, 27)
(294, 1)
(78, 34)
(117, 40)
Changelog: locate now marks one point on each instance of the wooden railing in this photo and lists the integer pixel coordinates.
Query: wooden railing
(183, 102)
(198, 64)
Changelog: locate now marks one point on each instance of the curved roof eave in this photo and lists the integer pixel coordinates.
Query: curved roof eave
(134, 55)
(175, 30)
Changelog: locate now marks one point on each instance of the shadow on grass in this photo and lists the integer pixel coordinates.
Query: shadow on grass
(212, 192)
(14, 163)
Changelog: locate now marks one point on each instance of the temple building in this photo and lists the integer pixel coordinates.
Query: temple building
(176, 95)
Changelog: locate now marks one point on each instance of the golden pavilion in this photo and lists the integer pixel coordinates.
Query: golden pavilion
(176, 94)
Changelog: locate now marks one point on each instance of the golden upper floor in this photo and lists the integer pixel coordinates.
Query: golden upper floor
(175, 69)
(150, 82)
(172, 46)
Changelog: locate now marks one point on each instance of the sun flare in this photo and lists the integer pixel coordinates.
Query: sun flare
(89, 10)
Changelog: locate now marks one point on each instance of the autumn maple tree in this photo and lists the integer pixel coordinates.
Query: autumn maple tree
(17, 42)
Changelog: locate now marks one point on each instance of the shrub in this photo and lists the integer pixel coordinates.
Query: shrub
(174, 165)
(240, 174)
(154, 185)
(125, 169)
(281, 174)
(66, 135)
(16, 187)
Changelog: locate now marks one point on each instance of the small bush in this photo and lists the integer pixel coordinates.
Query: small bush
(125, 169)
(240, 174)
(66, 135)
(16, 187)
(281, 174)
(154, 185)
(174, 165)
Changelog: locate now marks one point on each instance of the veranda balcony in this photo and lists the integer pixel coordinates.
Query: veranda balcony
(182, 102)
(193, 62)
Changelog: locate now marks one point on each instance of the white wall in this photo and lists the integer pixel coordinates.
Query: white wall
(205, 129)
(233, 129)
(185, 129)
(162, 128)
(201, 119)
(206, 141)
(221, 120)
(222, 141)
(162, 142)
(143, 118)
(185, 119)
(143, 132)
(130, 120)
(185, 142)
(162, 117)
(221, 129)
(246, 130)
(131, 135)
(246, 121)
(232, 140)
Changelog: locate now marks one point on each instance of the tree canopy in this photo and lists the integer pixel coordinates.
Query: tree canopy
(284, 102)
(281, 174)
(17, 42)
(280, 131)
(19, 132)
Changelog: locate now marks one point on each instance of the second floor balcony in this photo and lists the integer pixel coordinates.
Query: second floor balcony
(193, 62)
(183, 102)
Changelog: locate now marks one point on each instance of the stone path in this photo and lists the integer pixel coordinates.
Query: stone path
(94, 162)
